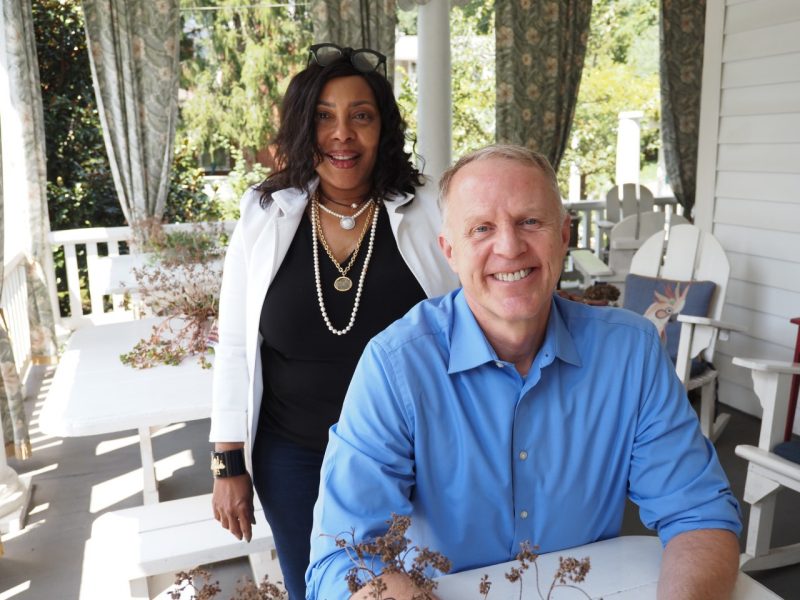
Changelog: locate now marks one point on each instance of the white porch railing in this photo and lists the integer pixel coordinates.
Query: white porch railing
(14, 304)
(591, 211)
(115, 240)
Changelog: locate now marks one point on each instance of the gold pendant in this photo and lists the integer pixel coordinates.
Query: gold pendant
(342, 284)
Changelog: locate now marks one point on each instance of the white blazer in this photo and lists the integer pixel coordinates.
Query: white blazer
(258, 245)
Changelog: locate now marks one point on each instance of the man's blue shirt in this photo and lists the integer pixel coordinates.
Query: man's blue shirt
(435, 426)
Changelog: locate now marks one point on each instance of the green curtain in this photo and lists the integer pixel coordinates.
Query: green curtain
(133, 49)
(682, 29)
(26, 100)
(358, 24)
(540, 47)
(12, 409)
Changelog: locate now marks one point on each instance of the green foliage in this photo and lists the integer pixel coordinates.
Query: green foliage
(187, 200)
(241, 177)
(473, 79)
(473, 90)
(237, 61)
(621, 73)
(79, 184)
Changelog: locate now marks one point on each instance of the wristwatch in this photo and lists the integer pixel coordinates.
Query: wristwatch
(229, 463)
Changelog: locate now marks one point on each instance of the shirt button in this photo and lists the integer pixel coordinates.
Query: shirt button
(523, 455)
(498, 364)
(523, 514)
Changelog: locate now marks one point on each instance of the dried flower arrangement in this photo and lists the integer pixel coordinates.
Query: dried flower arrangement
(181, 282)
(393, 549)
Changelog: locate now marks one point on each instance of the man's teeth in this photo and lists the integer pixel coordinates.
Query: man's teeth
(515, 276)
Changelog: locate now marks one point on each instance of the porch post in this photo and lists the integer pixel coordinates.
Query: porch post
(433, 77)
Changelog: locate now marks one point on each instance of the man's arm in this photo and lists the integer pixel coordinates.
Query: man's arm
(398, 587)
(373, 441)
(699, 565)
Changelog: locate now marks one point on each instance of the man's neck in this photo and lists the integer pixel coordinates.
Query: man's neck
(516, 343)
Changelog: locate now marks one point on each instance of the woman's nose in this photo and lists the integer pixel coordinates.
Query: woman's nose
(343, 131)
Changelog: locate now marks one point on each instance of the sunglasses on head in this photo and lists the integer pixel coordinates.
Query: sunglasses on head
(363, 59)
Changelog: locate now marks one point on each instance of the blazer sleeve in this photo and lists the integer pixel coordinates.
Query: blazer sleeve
(231, 379)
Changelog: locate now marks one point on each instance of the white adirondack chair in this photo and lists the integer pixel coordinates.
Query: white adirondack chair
(622, 201)
(624, 239)
(767, 472)
(693, 254)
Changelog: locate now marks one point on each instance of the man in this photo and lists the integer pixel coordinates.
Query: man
(501, 413)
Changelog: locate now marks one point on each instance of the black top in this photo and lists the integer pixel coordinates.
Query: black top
(306, 368)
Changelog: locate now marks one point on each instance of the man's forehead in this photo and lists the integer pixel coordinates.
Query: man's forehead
(490, 178)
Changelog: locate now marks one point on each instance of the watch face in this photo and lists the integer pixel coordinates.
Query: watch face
(217, 466)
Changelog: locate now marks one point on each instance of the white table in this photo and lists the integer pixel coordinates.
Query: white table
(94, 393)
(624, 568)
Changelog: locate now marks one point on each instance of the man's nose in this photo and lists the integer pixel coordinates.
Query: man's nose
(509, 242)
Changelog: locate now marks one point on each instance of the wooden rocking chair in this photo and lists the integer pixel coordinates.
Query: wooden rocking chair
(693, 255)
(768, 472)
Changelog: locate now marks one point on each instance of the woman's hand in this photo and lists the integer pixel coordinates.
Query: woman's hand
(232, 502)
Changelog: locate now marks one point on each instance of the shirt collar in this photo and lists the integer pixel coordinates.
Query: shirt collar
(558, 337)
(469, 347)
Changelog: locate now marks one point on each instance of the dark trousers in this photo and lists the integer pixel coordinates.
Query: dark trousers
(286, 478)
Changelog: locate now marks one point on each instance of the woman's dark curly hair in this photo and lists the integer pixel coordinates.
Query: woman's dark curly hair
(297, 151)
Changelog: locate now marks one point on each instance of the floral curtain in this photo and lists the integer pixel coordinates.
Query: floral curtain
(682, 26)
(26, 100)
(12, 409)
(540, 47)
(358, 24)
(133, 49)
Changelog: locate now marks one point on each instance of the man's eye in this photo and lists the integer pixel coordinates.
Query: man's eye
(481, 229)
(531, 221)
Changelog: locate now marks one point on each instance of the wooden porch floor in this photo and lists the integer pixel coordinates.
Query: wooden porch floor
(77, 479)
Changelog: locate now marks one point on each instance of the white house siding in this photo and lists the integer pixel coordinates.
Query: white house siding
(749, 178)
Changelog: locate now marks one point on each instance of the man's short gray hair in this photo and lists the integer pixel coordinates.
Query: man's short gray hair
(511, 152)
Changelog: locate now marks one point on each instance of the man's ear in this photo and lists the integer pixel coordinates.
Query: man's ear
(565, 231)
(447, 250)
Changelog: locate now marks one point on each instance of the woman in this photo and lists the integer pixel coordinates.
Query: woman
(329, 250)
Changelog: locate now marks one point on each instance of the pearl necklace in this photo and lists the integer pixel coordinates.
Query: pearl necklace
(347, 221)
(314, 224)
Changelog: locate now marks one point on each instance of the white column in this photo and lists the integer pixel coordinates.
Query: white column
(433, 76)
(629, 147)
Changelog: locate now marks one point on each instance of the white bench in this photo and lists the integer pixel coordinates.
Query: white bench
(589, 266)
(129, 545)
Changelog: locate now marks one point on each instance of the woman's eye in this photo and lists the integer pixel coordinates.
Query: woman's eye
(323, 116)
(362, 116)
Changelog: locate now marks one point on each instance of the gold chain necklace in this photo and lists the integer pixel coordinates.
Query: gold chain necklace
(342, 283)
(314, 226)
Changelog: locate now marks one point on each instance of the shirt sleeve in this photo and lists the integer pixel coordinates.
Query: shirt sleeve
(676, 491)
(367, 473)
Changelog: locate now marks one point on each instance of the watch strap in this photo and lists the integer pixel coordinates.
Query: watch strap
(229, 463)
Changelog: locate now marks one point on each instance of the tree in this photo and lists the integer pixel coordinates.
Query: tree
(473, 75)
(237, 61)
(80, 189)
(620, 73)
